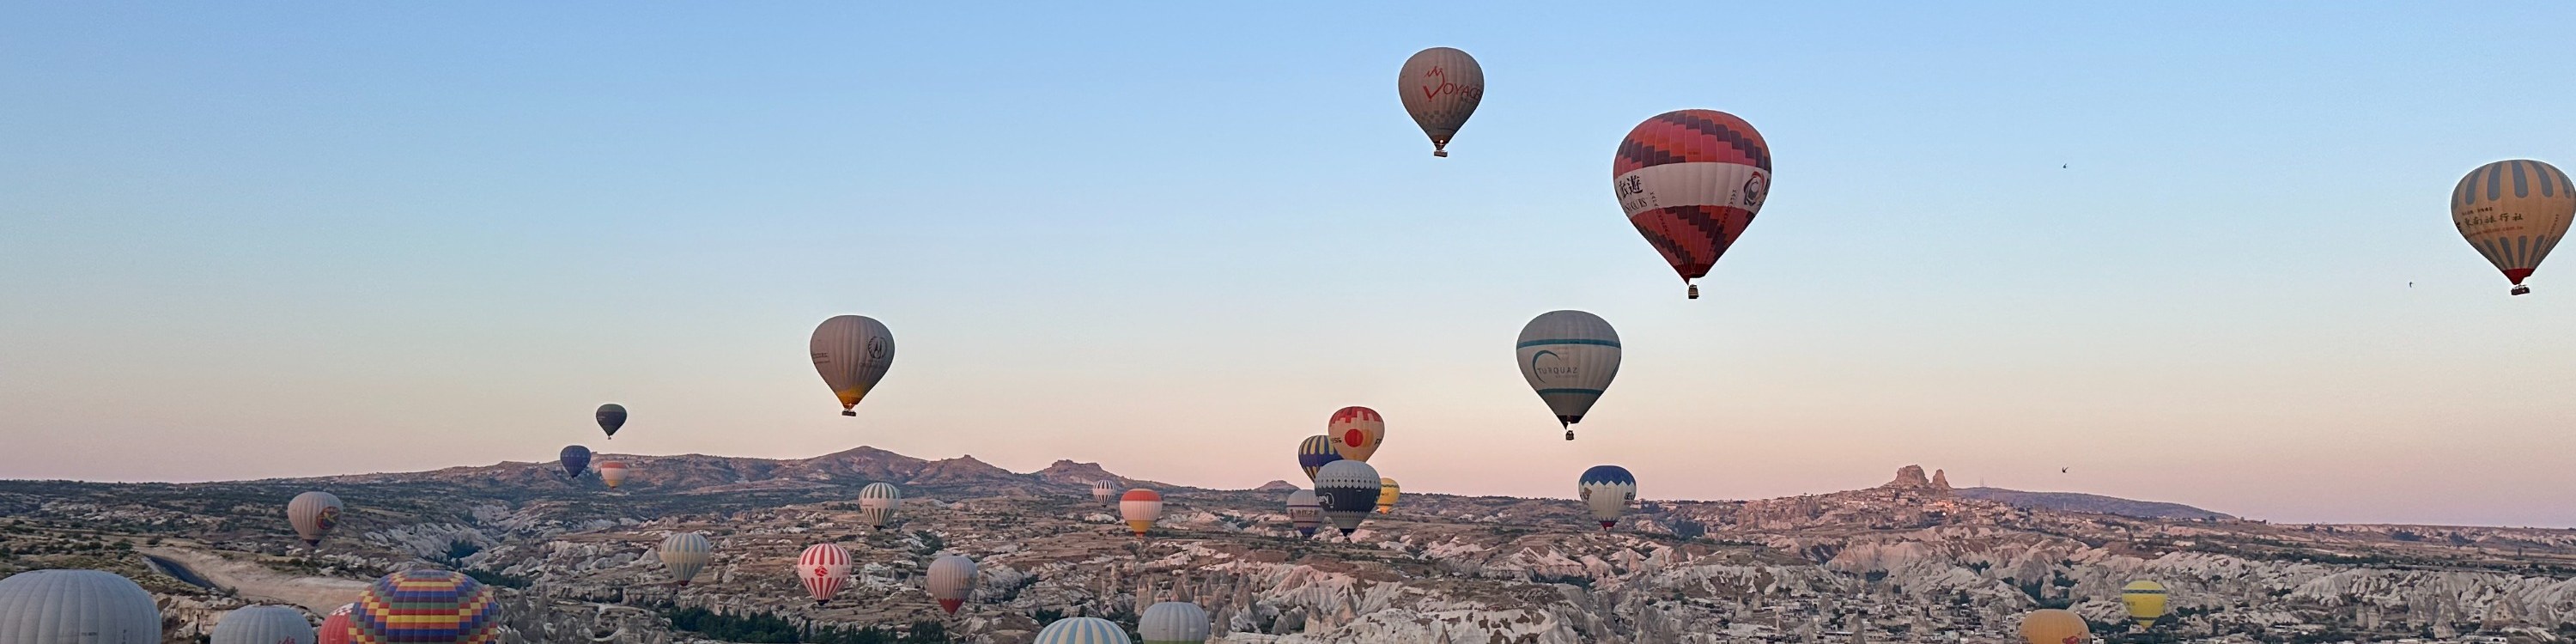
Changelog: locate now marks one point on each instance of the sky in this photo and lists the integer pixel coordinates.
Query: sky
(2194, 252)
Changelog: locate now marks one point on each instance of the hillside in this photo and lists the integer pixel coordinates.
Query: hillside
(2090, 503)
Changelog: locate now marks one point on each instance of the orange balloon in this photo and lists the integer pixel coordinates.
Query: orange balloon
(2054, 626)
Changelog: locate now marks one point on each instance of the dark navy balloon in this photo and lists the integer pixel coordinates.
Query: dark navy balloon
(1609, 474)
(576, 459)
(611, 416)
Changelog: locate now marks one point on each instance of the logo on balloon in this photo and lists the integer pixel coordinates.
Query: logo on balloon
(1753, 190)
(1630, 185)
(1543, 372)
(329, 516)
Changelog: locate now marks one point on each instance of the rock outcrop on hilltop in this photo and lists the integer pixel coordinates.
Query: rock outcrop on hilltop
(1905, 561)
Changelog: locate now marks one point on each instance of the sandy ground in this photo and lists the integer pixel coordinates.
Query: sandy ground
(258, 583)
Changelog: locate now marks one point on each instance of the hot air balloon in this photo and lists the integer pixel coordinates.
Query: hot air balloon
(1314, 452)
(1691, 181)
(1441, 87)
(426, 607)
(2054, 626)
(824, 568)
(1140, 507)
(1304, 512)
(335, 627)
(576, 459)
(83, 606)
(1103, 490)
(313, 514)
(1348, 490)
(852, 352)
(2514, 212)
(1174, 623)
(685, 553)
(1356, 432)
(1569, 357)
(877, 503)
(610, 416)
(1607, 490)
(262, 625)
(1082, 630)
(1386, 491)
(2146, 602)
(952, 581)
(612, 473)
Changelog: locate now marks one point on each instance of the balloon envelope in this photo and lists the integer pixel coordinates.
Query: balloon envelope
(1386, 493)
(1568, 357)
(685, 553)
(262, 625)
(1606, 490)
(576, 459)
(1305, 513)
(426, 607)
(2514, 212)
(83, 606)
(313, 514)
(952, 581)
(1140, 507)
(610, 416)
(2145, 601)
(1082, 630)
(2054, 626)
(335, 626)
(1314, 452)
(878, 503)
(1103, 491)
(1441, 87)
(1690, 181)
(1174, 623)
(1356, 432)
(1347, 490)
(824, 568)
(852, 352)
(612, 473)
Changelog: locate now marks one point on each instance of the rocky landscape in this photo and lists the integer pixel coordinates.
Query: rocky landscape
(1908, 560)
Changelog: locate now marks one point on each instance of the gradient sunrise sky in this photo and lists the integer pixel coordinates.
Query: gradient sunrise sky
(289, 239)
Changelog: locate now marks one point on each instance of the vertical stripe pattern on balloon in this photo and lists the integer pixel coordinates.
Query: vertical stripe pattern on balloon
(83, 606)
(262, 625)
(2514, 212)
(1140, 507)
(685, 553)
(313, 514)
(1691, 181)
(1174, 623)
(878, 503)
(823, 568)
(952, 581)
(1314, 452)
(1082, 630)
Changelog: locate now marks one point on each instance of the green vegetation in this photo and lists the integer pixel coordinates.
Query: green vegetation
(769, 628)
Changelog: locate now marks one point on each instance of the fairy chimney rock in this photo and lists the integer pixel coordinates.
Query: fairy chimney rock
(1940, 481)
(1910, 476)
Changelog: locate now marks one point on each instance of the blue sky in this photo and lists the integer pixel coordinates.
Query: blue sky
(291, 239)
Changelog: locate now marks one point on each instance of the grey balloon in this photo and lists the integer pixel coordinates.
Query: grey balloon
(263, 625)
(76, 607)
(1348, 490)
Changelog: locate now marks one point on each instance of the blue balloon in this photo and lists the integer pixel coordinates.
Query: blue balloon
(1611, 474)
(576, 459)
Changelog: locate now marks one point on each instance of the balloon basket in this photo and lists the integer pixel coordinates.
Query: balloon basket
(1440, 153)
(1694, 291)
(1569, 434)
(2519, 289)
(848, 412)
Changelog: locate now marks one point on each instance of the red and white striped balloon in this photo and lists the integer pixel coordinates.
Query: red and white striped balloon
(824, 568)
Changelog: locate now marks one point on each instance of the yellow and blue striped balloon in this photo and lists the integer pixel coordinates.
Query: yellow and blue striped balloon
(2514, 212)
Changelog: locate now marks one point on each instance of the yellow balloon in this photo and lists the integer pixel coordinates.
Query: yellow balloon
(2054, 626)
(1386, 490)
(2146, 600)
(2513, 212)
